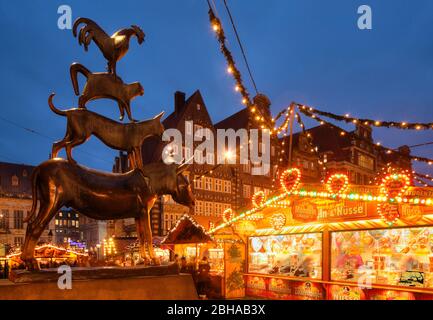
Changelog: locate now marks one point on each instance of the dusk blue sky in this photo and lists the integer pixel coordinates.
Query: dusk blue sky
(299, 50)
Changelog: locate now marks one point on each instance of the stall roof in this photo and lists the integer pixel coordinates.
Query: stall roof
(187, 230)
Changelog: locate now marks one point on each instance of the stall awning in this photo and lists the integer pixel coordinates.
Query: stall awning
(187, 231)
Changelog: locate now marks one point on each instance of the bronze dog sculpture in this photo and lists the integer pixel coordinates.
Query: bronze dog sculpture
(105, 85)
(102, 196)
(82, 123)
(112, 47)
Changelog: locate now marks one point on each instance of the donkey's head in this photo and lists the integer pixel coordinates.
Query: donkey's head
(183, 194)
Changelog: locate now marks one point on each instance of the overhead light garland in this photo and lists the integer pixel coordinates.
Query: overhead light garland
(234, 71)
(422, 182)
(377, 123)
(386, 150)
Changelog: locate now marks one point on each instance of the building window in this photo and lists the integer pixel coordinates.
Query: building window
(208, 184)
(247, 191)
(18, 241)
(366, 162)
(218, 185)
(257, 189)
(227, 186)
(199, 207)
(198, 182)
(15, 181)
(208, 208)
(18, 219)
(218, 208)
(4, 219)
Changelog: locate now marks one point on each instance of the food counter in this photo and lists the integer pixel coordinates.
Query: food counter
(374, 264)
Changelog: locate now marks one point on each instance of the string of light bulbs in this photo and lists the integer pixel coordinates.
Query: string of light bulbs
(377, 123)
(429, 161)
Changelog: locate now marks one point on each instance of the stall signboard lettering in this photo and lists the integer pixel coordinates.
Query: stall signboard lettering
(307, 291)
(295, 290)
(342, 210)
(305, 211)
(409, 213)
(337, 292)
(256, 287)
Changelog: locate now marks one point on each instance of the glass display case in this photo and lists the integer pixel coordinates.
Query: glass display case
(399, 256)
(295, 255)
(216, 260)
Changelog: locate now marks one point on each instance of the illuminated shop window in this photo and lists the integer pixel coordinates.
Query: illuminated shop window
(294, 255)
(400, 257)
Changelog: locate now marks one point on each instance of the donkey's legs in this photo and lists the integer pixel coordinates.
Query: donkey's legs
(141, 238)
(148, 235)
(36, 227)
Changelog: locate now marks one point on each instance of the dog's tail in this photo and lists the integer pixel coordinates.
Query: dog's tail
(35, 176)
(53, 107)
(74, 69)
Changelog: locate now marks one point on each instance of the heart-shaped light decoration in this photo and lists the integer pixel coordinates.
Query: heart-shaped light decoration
(228, 214)
(278, 221)
(258, 199)
(337, 183)
(290, 179)
(395, 185)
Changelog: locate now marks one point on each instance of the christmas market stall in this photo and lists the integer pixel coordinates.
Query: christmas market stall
(192, 243)
(50, 256)
(335, 241)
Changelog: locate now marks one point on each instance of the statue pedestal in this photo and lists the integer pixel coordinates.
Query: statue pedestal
(112, 283)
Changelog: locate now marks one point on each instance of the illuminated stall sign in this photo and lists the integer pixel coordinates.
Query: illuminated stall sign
(342, 210)
(305, 211)
(409, 213)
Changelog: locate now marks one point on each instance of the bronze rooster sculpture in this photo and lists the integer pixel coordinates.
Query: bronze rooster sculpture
(112, 47)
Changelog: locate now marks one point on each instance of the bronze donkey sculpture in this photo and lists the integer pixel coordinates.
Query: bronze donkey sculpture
(82, 123)
(112, 47)
(102, 196)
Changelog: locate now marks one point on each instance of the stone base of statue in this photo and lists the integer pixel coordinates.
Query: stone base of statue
(112, 283)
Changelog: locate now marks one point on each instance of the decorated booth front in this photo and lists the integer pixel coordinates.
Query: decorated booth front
(336, 241)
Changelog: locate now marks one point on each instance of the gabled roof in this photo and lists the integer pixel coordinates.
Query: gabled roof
(237, 121)
(187, 231)
(327, 138)
(152, 148)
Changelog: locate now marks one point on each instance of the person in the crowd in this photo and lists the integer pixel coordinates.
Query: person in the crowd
(203, 277)
(183, 265)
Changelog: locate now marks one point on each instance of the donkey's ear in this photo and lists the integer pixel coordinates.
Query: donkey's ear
(159, 116)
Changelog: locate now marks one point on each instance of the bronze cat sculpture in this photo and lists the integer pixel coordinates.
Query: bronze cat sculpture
(102, 196)
(112, 47)
(105, 85)
(82, 123)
